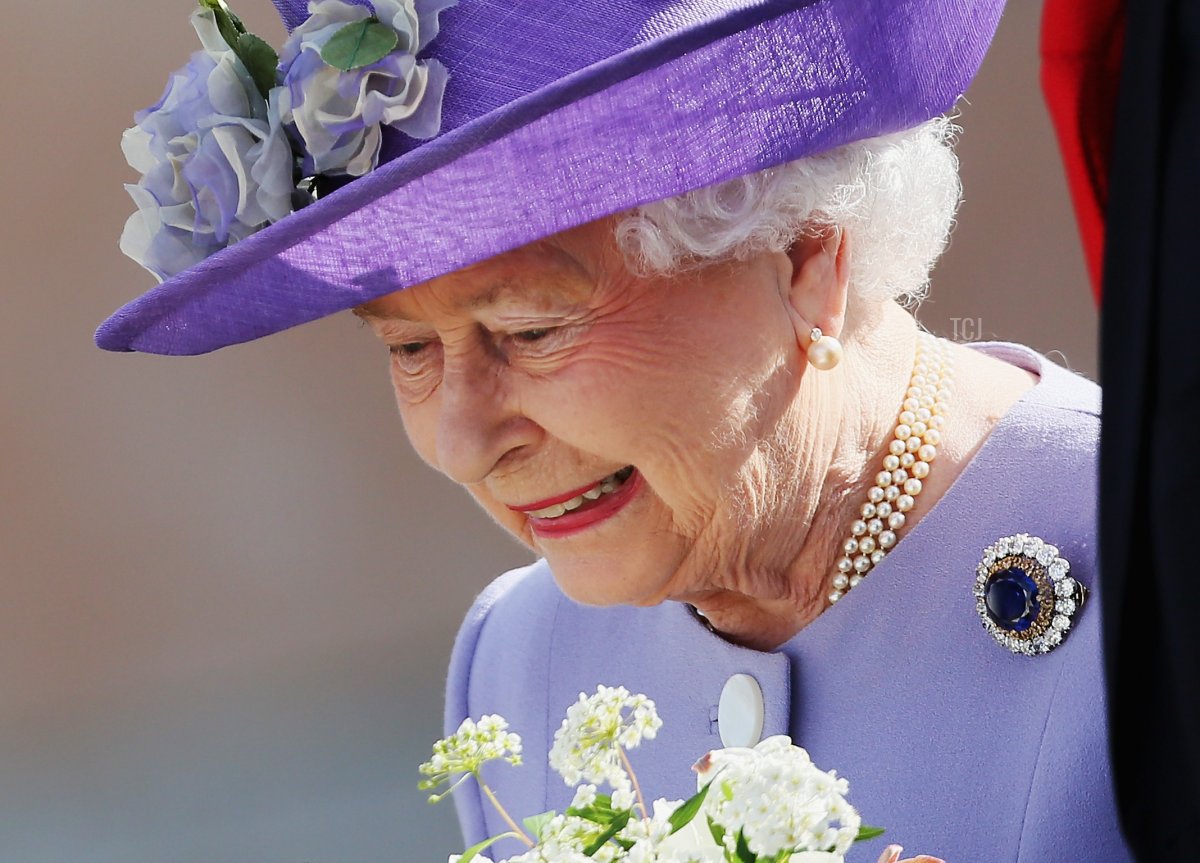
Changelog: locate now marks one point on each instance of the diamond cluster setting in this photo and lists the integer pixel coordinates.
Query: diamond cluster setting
(1025, 595)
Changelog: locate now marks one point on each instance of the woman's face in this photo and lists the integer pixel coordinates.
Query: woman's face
(627, 429)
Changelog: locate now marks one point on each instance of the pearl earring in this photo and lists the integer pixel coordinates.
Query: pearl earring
(824, 352)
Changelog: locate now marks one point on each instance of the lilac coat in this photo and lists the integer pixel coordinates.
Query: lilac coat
(958, 747)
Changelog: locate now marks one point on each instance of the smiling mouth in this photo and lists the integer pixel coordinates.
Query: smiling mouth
(583, 499)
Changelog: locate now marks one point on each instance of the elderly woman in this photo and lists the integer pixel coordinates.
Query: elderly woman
(760, 493)
(705, 476)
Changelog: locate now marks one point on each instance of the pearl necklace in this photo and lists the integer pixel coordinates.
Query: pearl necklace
(912, 449)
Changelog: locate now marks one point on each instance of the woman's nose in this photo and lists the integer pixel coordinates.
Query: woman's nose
(479, 424)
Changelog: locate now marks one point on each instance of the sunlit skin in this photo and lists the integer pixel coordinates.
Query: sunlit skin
(544, 369)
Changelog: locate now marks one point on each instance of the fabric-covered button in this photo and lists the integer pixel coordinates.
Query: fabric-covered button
(740, 711)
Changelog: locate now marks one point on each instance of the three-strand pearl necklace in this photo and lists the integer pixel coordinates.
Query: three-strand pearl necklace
(912, 449)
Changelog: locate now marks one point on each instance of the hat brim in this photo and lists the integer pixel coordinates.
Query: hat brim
(756, 88)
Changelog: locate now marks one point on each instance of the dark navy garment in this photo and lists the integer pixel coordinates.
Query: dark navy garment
(955, 745)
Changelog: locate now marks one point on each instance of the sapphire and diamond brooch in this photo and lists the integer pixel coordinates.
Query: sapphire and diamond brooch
(1025, 595)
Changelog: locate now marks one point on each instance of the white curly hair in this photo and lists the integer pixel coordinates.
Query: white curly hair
(895, 195)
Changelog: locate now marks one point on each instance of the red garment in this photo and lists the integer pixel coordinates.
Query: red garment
(1081, 64)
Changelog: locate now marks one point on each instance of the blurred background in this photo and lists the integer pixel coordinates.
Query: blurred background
(228, 591)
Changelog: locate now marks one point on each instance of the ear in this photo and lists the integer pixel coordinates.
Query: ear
(818, 282)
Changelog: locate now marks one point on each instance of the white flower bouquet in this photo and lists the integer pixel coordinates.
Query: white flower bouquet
(769, 804)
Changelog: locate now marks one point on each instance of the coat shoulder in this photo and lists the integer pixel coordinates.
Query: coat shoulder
(498, 665)
(500, 631)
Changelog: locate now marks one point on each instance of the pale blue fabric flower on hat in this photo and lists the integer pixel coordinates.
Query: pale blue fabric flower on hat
(337, 113)
(215, 159)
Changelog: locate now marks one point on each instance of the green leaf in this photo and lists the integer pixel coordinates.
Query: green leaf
(599, 812)
(717, 831)
(865, 832)
(614, 828)
(230, 25)
(685, 813)
(744, 854)
(359, 44)
(593, 814)
(473, 852)
(223, 7)
(260, 61)
(535, 823)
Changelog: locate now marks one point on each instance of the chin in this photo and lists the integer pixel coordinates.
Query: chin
(623, 577)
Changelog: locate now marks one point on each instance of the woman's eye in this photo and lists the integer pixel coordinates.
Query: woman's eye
(413, 357)
(537, 343)
(416, 368)
(534, 335)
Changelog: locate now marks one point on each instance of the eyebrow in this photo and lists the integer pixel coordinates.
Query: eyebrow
(368, 316)
(491, 296)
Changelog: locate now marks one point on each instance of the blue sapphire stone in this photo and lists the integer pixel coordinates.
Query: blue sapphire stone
(1012, 599)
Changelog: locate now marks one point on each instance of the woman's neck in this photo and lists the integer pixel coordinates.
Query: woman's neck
(840, 460)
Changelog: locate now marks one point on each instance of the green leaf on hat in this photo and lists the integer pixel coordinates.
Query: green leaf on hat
(359, 44)
(260, 60)
(865, 833)
(230, 25)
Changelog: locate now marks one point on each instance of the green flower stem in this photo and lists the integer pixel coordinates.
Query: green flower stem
(504, 813)
(637, 789)
(438, 798)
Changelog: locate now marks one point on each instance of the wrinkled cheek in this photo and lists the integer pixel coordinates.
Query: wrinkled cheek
(420, 425)
(681, 509)
(746, 503)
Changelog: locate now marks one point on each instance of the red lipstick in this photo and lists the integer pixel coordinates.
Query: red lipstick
(588, 515)
(558, 498)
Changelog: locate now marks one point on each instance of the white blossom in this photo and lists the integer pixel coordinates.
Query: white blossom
(693, 843)
(778, 800)
(585, 796)
(622, 796)
(772, 797)
(586, 745)
(469, 748)
(563, 839)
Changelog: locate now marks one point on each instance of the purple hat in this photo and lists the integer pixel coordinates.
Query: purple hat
(559, 112)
